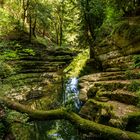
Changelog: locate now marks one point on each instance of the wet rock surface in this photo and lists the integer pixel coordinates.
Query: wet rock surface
(116, 93)
(110, 95)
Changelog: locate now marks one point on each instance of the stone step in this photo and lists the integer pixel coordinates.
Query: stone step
(32, 63)
(120, 113)
(112, 84)
(39, 70)
(109, 113)
(48, 75)
(103, 76)
(61, 52)
(65, 58)
(119, 63)
(119, 75)
(122, 96)
(113, 89)
(100, 76)
(42, 65)
(31, 78)
(118, 84)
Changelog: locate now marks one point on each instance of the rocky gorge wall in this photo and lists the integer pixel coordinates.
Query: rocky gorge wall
(110, 95)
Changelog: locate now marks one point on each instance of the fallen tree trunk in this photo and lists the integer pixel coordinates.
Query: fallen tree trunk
(105, 132)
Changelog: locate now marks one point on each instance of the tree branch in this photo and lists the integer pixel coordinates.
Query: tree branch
(106, 132)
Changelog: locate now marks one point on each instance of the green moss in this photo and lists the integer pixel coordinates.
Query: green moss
(2, 130)
(134, 86)
(101, 112)
(77, 65)
(6, 69)
(110, 86)
(126, 30)
(132, 74)
(92, 92)
(118, 28)
(101, 104)
(82, 124)
(137, 61)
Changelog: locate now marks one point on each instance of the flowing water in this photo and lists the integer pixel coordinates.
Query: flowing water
(67, 96)
(50, 92)
(71, 93)
(63, 129)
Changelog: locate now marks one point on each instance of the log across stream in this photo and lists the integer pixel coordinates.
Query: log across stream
(53, 115)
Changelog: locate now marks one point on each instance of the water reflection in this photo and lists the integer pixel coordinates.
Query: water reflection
(51, 130)
(63, 129)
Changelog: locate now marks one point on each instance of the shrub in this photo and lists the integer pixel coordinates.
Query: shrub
(134, 86)
(5, 69)
(29, 51)
(123, 28)
(137, 61)
(7, 22)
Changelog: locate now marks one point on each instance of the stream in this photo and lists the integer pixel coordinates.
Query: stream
(45, 91)
(47, 130)
(63, 130)
(71, 93)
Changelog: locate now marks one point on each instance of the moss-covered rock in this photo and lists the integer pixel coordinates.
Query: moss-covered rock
(92, 92)
(96, 111)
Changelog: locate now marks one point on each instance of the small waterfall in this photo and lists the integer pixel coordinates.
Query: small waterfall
(70, 99)
(71, 93)
(63, 130)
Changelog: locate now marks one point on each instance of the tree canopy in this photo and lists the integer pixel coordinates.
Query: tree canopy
(65, 21)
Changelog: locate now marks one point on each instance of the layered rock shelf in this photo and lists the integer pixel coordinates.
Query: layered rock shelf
(110, 95)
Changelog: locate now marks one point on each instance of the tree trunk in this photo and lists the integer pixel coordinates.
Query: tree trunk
(57, 34)
(30, 28)
(105, 132)
(1, 3)
(61, 31)
(25, 5)
(34, 27)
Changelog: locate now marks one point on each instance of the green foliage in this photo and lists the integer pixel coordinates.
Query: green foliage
(134, 86)
(127, 8)
(129, 74)
(29, 51)
(5, 69)
(112, 15)
(7, 22)
(10, 55)
(132, 32)
(126, 30)
(67, 131)
(9, 49)
(121, 26)
(65, 22)
(137, 61)
(2, 130)
(92, 16)
(13, 115)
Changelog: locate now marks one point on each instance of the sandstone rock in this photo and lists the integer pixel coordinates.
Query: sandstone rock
(118, 82)
(83, 95)
(97, 111)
